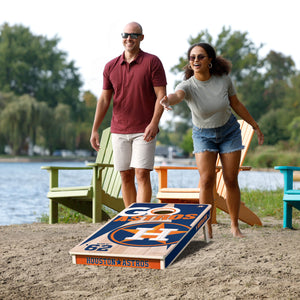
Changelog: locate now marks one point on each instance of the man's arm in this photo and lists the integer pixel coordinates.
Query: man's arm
(152, 129)
(101, 110)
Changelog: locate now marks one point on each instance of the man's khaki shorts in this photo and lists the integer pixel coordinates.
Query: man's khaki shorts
(132, 151)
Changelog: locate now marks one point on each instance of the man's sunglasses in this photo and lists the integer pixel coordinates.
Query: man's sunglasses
(199, 57)
(132, 35)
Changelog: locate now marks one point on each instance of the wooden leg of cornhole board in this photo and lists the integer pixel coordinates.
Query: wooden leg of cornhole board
(205, 233)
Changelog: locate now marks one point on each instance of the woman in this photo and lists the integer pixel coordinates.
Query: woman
(210, 95)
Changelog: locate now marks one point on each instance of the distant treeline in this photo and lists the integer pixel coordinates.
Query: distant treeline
(42, 105)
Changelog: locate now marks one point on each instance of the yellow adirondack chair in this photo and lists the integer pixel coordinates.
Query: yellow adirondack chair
(191, 195)
(89, 200)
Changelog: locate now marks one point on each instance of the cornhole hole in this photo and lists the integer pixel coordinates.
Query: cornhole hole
(144, 235)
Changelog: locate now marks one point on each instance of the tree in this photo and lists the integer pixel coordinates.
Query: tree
(278, 66)
(279, 69)
(291, 100)
(63, 130)
(34, 65)
(19, 121)
(237, 48)
(187, 142)
(250, 92)
(241, 51)
(274, 126)
(294, 128)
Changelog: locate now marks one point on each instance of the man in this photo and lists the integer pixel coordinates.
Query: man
(137, 82)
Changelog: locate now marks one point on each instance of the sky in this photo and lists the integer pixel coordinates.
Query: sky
(90, 30)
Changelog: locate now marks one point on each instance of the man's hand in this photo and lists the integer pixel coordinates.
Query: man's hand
(94, 140)
(150, 133)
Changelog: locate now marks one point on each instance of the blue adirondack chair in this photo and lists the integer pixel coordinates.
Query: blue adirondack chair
(291, 196)
(89, 200)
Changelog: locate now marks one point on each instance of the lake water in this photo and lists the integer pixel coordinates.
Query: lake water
(24, 186)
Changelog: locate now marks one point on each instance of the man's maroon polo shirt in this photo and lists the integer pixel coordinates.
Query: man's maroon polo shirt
(134, 96)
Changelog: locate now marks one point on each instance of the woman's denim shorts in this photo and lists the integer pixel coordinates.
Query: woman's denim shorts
(224, 139)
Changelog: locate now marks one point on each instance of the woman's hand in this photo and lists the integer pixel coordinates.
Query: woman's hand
(165, 103)
(260, 136)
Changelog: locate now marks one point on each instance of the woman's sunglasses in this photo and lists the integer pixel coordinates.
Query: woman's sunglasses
(199, 57)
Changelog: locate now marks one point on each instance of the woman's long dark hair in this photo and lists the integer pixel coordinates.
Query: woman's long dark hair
(220, 65)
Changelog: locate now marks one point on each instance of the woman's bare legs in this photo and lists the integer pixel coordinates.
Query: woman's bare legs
(206, 163)
(230, 164)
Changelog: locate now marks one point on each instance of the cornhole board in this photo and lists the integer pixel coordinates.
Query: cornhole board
(144, 235)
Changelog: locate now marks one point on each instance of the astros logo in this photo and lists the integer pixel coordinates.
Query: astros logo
(153, 234)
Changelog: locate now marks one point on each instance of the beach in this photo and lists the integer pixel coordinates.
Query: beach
(36, 264)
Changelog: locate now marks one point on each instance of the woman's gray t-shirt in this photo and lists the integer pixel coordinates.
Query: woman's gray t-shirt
(208, 100)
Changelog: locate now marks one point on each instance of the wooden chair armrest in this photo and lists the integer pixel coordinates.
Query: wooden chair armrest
(54, 171)
(245, 168)
(286, 168)
(97, 170)
(163, 173)
(160, 168)
(50, 168)
(288, 179)
(100, 165)
(175, 168)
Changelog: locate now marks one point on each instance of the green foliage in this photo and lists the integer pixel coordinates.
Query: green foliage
(278, 66)
(163, 137)
(34, 65)
(41, 101)
(264, 203)
(274, 125)
(250, 91)
(64, 130)
(294, 129)
(19, 121)
(236, 47)
(66, 215)
(291, 101)
(40, 95)
(187, 142)
(269, 87)
(270, 156)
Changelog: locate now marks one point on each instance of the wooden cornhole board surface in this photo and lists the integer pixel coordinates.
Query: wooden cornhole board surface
(144, 235)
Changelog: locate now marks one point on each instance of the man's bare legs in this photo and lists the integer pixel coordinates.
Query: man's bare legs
(128, 187)
(144, 192)
(129, 193)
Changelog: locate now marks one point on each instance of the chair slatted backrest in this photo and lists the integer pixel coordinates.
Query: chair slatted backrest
(247, 134)
(111, 180)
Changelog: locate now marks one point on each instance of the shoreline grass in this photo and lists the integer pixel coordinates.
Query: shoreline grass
(264, 203)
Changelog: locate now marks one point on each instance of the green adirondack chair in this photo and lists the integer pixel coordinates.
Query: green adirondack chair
(89, 200)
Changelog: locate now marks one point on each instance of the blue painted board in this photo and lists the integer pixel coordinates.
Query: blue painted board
(144, 235)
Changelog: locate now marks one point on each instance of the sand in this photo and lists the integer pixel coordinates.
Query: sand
(35, 264)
